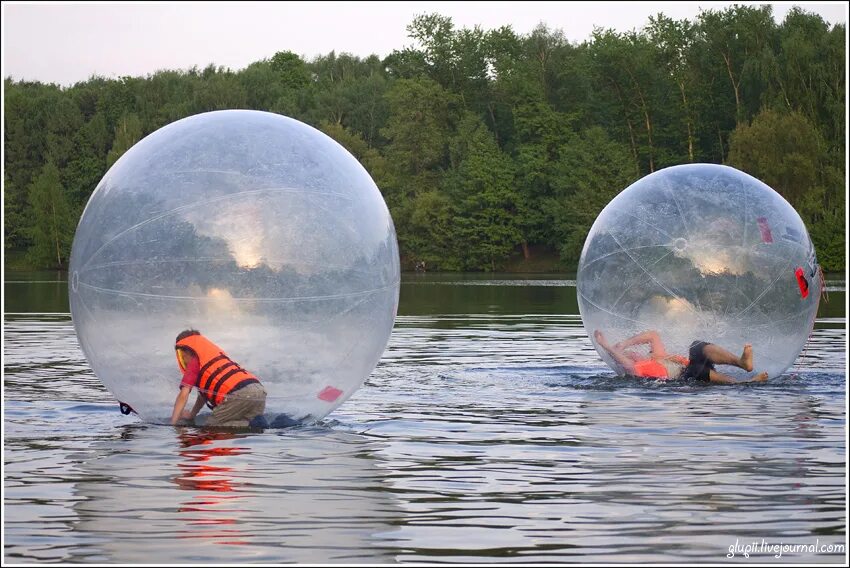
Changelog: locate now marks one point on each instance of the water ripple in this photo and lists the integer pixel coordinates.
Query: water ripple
(479, 438)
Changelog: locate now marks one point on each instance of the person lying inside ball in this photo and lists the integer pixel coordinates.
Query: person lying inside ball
(699, 365)
(235, 396)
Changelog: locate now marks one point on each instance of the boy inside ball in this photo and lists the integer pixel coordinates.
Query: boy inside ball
(236, 396)
(699, 365)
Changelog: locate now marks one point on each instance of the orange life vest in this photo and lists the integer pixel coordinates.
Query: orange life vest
(656, 369)
(650, 368)
(219, 374)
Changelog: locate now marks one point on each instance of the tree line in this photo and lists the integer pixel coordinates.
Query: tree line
(489, 146)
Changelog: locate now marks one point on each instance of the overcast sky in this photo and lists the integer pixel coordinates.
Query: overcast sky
(66, 43)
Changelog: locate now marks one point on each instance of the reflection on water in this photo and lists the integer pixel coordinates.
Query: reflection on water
(301, 496)
(489, 435)
(213, 507)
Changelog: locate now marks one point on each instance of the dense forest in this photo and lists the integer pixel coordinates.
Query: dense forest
(490, 147)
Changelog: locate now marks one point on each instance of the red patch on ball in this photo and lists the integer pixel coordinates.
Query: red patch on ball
(329, 394)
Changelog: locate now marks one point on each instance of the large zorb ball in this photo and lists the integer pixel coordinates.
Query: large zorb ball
(701, 252)
(255, 229)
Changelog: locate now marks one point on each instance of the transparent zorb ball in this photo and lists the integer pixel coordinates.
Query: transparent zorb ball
(255, 229)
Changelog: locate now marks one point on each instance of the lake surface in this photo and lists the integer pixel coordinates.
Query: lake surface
(489, 432)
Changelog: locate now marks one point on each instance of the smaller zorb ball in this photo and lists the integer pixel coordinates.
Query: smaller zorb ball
(255, 229)
(701, 252)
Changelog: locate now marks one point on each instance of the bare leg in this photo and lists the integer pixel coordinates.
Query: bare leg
(716, 377)
(656, 346)
(720, 356)
(618, 354)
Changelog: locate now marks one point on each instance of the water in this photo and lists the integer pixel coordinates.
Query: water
(490, 432)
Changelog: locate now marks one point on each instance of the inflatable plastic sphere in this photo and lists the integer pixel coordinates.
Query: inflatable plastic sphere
(701, 252)
(255, 229)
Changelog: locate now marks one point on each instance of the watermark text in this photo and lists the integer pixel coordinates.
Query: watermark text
(760, 547)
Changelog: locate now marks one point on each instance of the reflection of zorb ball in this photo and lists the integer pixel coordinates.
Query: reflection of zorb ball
(702, 252)
(257, 230)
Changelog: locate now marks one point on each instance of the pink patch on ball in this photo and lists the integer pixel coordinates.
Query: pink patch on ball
(329, 394)
(764, 228)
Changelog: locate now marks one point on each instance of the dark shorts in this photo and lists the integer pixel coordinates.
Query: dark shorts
(699, 366)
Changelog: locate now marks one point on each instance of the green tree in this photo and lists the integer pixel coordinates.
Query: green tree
(418, 128)
(610, 61)
(87, 166)
(261, 84)
(541, 135)
(293, 76)
(784, 150)
(14, 216)
(376, 164)
(460, 60)
(811, 73)
(429, 231)
(673, 41)
(350, 92)
(53, 221)
(119, 98)
(166, 96)
(24, 127)
(63, 121)
(128, 131)
(291, 69)
(444, 123)
(217, 89)
(596, 170)
(737, 39)
(482, 190)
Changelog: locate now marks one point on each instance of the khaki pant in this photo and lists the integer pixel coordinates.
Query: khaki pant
(239, 408)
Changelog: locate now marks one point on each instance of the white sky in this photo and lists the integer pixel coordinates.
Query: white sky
(66, 43)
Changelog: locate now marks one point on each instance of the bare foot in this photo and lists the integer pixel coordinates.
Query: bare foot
(760, 378)
(600, 339)
(747, 357)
